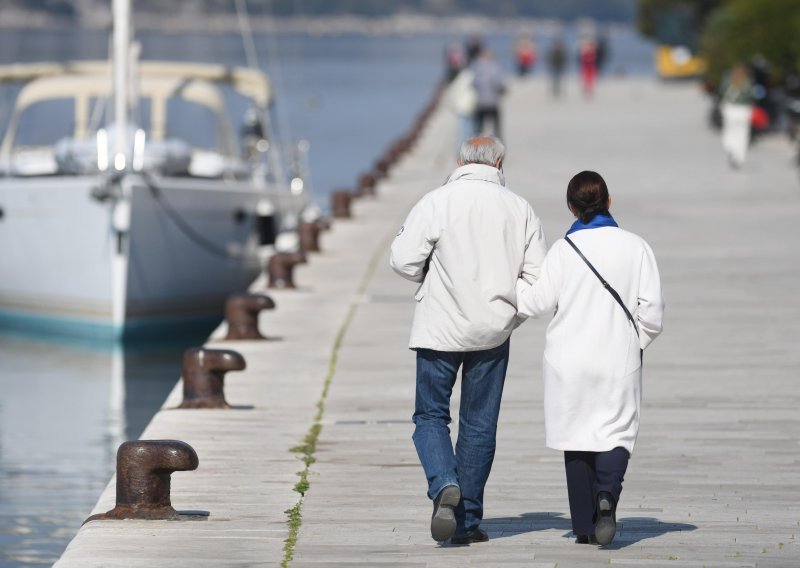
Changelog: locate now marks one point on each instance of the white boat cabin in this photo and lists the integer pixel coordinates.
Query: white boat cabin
(62, 121)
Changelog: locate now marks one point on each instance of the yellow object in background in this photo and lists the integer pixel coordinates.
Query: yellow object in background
(678, 62)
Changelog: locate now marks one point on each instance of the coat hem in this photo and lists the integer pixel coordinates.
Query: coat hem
(582, 448)
(459, 349)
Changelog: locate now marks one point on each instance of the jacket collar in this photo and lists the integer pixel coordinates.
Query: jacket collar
(599, 220)
(478, 172)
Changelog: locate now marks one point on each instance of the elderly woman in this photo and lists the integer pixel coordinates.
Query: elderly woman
(603, 284)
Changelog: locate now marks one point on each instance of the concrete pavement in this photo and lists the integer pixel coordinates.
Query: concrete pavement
(713, 480)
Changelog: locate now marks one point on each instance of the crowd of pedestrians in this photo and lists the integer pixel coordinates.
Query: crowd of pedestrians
(477, 82)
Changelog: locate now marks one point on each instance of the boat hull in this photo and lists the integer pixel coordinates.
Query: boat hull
(69, 265)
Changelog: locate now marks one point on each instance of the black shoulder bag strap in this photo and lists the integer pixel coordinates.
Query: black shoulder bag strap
(606, 285)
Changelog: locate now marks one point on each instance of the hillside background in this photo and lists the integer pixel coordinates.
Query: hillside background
(623, 11)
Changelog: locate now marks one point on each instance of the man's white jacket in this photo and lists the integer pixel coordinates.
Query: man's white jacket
(468, 242)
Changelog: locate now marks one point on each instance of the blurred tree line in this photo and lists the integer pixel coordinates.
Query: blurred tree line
(608, 10)
(729, 31)
(740, 30)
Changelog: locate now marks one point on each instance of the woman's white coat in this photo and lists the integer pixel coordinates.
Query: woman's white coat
(592, 366)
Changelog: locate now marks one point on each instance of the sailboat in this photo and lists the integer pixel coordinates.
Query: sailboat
(125, 224)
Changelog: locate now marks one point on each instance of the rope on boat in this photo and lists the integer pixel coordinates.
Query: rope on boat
(189, 231)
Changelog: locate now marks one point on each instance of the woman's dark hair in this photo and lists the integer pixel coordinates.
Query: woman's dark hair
(587, 195)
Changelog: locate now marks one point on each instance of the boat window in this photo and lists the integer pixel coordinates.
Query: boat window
(191, 122)
(8, 94)
(46, 122)
(238, 107)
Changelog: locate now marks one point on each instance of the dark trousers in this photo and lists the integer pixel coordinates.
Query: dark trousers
(490, 113)
(589, 473)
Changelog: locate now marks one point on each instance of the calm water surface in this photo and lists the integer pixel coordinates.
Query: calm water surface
(65, 406)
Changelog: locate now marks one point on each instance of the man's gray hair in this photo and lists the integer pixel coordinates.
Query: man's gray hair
(486, 150)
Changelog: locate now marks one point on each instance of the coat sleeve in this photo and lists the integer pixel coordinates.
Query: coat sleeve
(414, 242)
(651, 300)
(541, 297)
(535, 248)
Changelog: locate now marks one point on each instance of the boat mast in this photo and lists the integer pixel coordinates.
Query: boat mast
(121, 11)
(121, 161)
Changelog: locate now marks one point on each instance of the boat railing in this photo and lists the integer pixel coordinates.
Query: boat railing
(160, 85)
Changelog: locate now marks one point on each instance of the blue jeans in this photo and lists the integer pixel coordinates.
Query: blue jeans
(482, 379)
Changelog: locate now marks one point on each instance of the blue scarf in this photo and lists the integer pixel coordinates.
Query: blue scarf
(597, 221)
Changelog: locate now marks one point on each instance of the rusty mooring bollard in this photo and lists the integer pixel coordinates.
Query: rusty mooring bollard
(143, 479)
(324, 224)
(241, 311)
(416, 129)
(391, 155)
(281, 268)
(204, 376)
(340, 204)
(309, 236)
(403, 145)
(383, 165)
(366, 184)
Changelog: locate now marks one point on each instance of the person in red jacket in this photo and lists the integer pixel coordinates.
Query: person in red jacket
(525, 55)
(587, 55)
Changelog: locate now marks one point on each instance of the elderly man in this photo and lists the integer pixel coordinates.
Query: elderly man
(466, 242)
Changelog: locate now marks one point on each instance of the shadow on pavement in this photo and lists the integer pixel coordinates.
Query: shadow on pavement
(630, 530)
(501, 527)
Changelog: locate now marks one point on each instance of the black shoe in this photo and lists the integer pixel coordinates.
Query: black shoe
(606, 526)
(585, 539)
(478, 535)
(443, 520)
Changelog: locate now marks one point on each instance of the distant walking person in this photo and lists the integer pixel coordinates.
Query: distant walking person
(455, 59)
(587, 56)
(473, 47)
(463, 101)
(490, 86)
(466, 243)
(602, 52)
(556, 61)
(525, 55)
(736, 101)
(604, 286)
